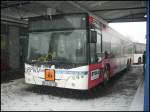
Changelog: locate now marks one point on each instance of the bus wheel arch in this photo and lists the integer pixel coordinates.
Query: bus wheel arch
(106, 72)
(128, 64)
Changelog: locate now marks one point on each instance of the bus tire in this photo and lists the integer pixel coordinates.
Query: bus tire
(106, 74)
(128, 65)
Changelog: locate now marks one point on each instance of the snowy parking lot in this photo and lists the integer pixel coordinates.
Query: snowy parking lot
(118, 94)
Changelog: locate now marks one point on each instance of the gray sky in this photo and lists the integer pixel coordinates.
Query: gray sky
(136, 31)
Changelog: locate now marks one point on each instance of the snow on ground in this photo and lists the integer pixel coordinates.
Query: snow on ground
(138, 101)
(118, 94)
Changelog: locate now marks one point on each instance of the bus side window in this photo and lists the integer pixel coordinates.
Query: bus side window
(98, 44)
(93, 53)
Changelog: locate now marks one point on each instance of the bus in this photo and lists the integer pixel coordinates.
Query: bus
(139, 49)
(74, 51)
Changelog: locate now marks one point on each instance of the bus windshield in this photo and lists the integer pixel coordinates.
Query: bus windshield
(68, 46)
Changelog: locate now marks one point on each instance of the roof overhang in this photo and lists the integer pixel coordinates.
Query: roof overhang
(104, 11)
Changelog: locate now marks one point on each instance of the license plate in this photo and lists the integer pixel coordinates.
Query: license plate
(49, 75)
(49, 83)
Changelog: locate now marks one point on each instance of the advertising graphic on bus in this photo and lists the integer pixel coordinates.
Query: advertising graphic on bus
(74, 51)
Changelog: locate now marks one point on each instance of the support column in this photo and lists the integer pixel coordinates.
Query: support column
(14, 47)
(146, 69)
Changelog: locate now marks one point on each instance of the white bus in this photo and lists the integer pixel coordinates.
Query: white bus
(74, 51)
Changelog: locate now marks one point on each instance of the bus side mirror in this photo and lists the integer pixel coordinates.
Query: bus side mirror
(93, 37)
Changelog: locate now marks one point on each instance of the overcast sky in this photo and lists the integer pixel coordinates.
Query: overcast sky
(134, 30)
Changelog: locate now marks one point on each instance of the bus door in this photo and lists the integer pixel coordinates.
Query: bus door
(94, 66)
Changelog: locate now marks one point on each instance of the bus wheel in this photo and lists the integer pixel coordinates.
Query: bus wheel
(106, 75)
(128, 65)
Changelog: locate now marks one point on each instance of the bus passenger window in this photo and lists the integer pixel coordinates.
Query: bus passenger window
(93, 53)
